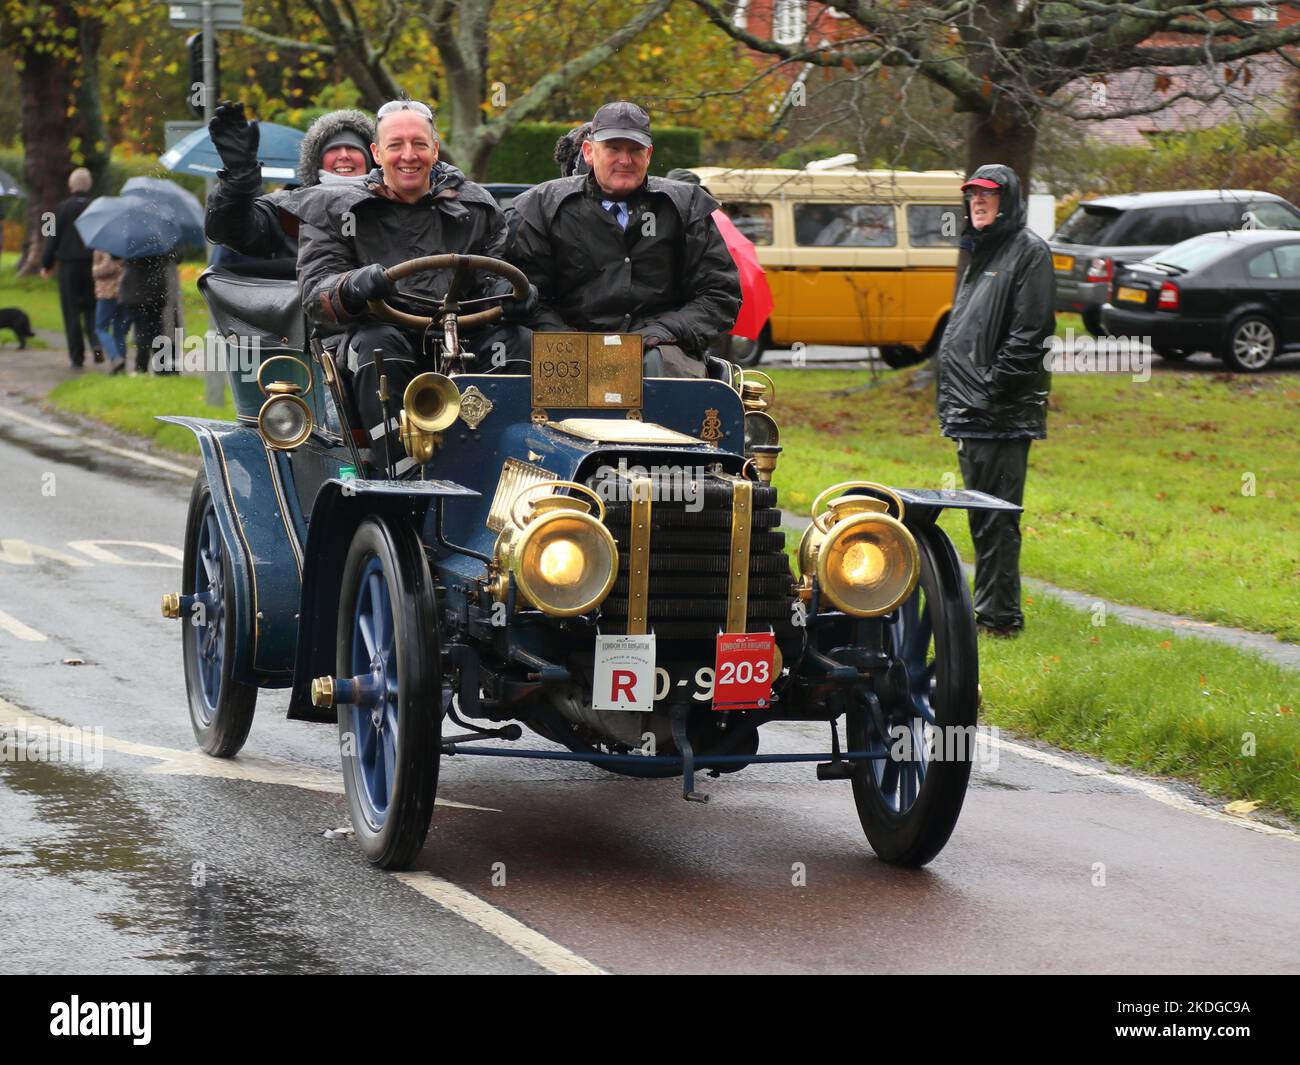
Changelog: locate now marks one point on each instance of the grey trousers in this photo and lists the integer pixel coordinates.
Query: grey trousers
(997, 467)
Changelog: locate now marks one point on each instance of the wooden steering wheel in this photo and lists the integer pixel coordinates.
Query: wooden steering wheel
(450, 305)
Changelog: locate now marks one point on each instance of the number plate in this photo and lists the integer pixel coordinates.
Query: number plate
(1132, 295)
(743, 670)
(586, 370)
(1063, 263)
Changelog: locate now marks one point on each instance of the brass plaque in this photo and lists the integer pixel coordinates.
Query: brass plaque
(587, 370)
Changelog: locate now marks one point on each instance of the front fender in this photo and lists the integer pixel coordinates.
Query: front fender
(340, 507)
(258, 532)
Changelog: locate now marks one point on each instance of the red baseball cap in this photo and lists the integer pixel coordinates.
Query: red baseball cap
(981, 183)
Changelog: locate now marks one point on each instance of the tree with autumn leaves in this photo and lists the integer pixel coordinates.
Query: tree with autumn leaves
(55, 50)
(1005, 63)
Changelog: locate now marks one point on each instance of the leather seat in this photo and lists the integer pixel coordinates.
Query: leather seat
(256, 300)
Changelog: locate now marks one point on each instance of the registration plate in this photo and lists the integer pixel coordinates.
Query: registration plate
(1064, 263)
(1132, 295)
(743, 670)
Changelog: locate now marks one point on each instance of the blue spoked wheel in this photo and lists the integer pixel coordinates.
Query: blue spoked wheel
(221, 708)
(388, 690)
(926, 714)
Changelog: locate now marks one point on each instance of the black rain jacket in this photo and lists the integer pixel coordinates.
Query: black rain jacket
(65, 244)
(346, 226)
(668, 275)
(992, 363)
(242, 219)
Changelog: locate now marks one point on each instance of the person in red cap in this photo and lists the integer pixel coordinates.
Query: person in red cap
(993, 378)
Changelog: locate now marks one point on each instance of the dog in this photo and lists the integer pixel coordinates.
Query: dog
(13, 318)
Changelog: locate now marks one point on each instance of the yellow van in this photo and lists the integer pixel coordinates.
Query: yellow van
(857, 257)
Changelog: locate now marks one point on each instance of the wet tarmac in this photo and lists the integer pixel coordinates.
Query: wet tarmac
(154, 858)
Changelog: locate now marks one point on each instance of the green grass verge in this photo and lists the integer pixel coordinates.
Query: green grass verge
(1136, 495)
(131, 404)
(1175, 706)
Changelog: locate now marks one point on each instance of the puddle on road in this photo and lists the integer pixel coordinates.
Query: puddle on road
(156, 905)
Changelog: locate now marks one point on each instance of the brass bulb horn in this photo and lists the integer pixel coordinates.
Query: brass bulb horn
(430, 404)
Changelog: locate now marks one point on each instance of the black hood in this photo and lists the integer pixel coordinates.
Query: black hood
(1011, 208)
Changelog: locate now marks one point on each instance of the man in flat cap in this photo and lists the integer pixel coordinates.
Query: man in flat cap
(615, 251)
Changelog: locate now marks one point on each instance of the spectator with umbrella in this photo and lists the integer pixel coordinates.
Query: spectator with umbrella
(64, 247)
(112, 318)
(146, 230)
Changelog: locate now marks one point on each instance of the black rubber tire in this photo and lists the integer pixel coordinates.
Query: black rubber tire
(1092, 322)
(900, 356)
(224, 732)
(1228, 352)
(741, 350)
(915, 836)
(396, 843)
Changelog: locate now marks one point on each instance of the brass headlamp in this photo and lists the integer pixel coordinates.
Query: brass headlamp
(561, 556)
(285, 421)
(863, 558)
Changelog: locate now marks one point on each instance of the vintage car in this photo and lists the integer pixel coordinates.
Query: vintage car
(578, 548)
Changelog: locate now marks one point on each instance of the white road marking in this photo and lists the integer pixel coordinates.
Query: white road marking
(514, 934)
(21, 553)
(1159, 792)
(92, 445)
(174, 762)
(14, 627)
(96, 550)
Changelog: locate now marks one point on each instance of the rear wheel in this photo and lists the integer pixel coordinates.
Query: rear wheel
(387, 649)
(1092, 322)
(741, 350)
(900, 356)
(221, 708)
(909, 803)
(1250, 345)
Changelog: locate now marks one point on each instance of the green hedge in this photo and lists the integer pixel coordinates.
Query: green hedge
(527, 154)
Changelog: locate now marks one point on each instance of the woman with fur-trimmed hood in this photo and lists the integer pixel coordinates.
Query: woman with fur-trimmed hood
(335, 148)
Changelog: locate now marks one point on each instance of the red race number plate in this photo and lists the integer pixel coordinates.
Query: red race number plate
(742, 675)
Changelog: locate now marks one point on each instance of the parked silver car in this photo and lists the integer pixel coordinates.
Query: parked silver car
(1128, 228)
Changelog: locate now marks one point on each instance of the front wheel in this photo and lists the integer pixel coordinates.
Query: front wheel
(925, 715)
(221, 708)
(387, 657)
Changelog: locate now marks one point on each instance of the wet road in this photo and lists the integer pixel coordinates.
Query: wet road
(155, 858)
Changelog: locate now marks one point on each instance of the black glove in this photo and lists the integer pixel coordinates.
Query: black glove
(520, 310)
(360, 286)
(234, 137)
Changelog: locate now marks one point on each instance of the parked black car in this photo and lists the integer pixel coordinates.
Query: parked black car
(1110, 230)
(1235, 294)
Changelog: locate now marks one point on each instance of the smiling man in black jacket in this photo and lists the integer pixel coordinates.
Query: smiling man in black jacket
(615, 251)
(993, 378)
